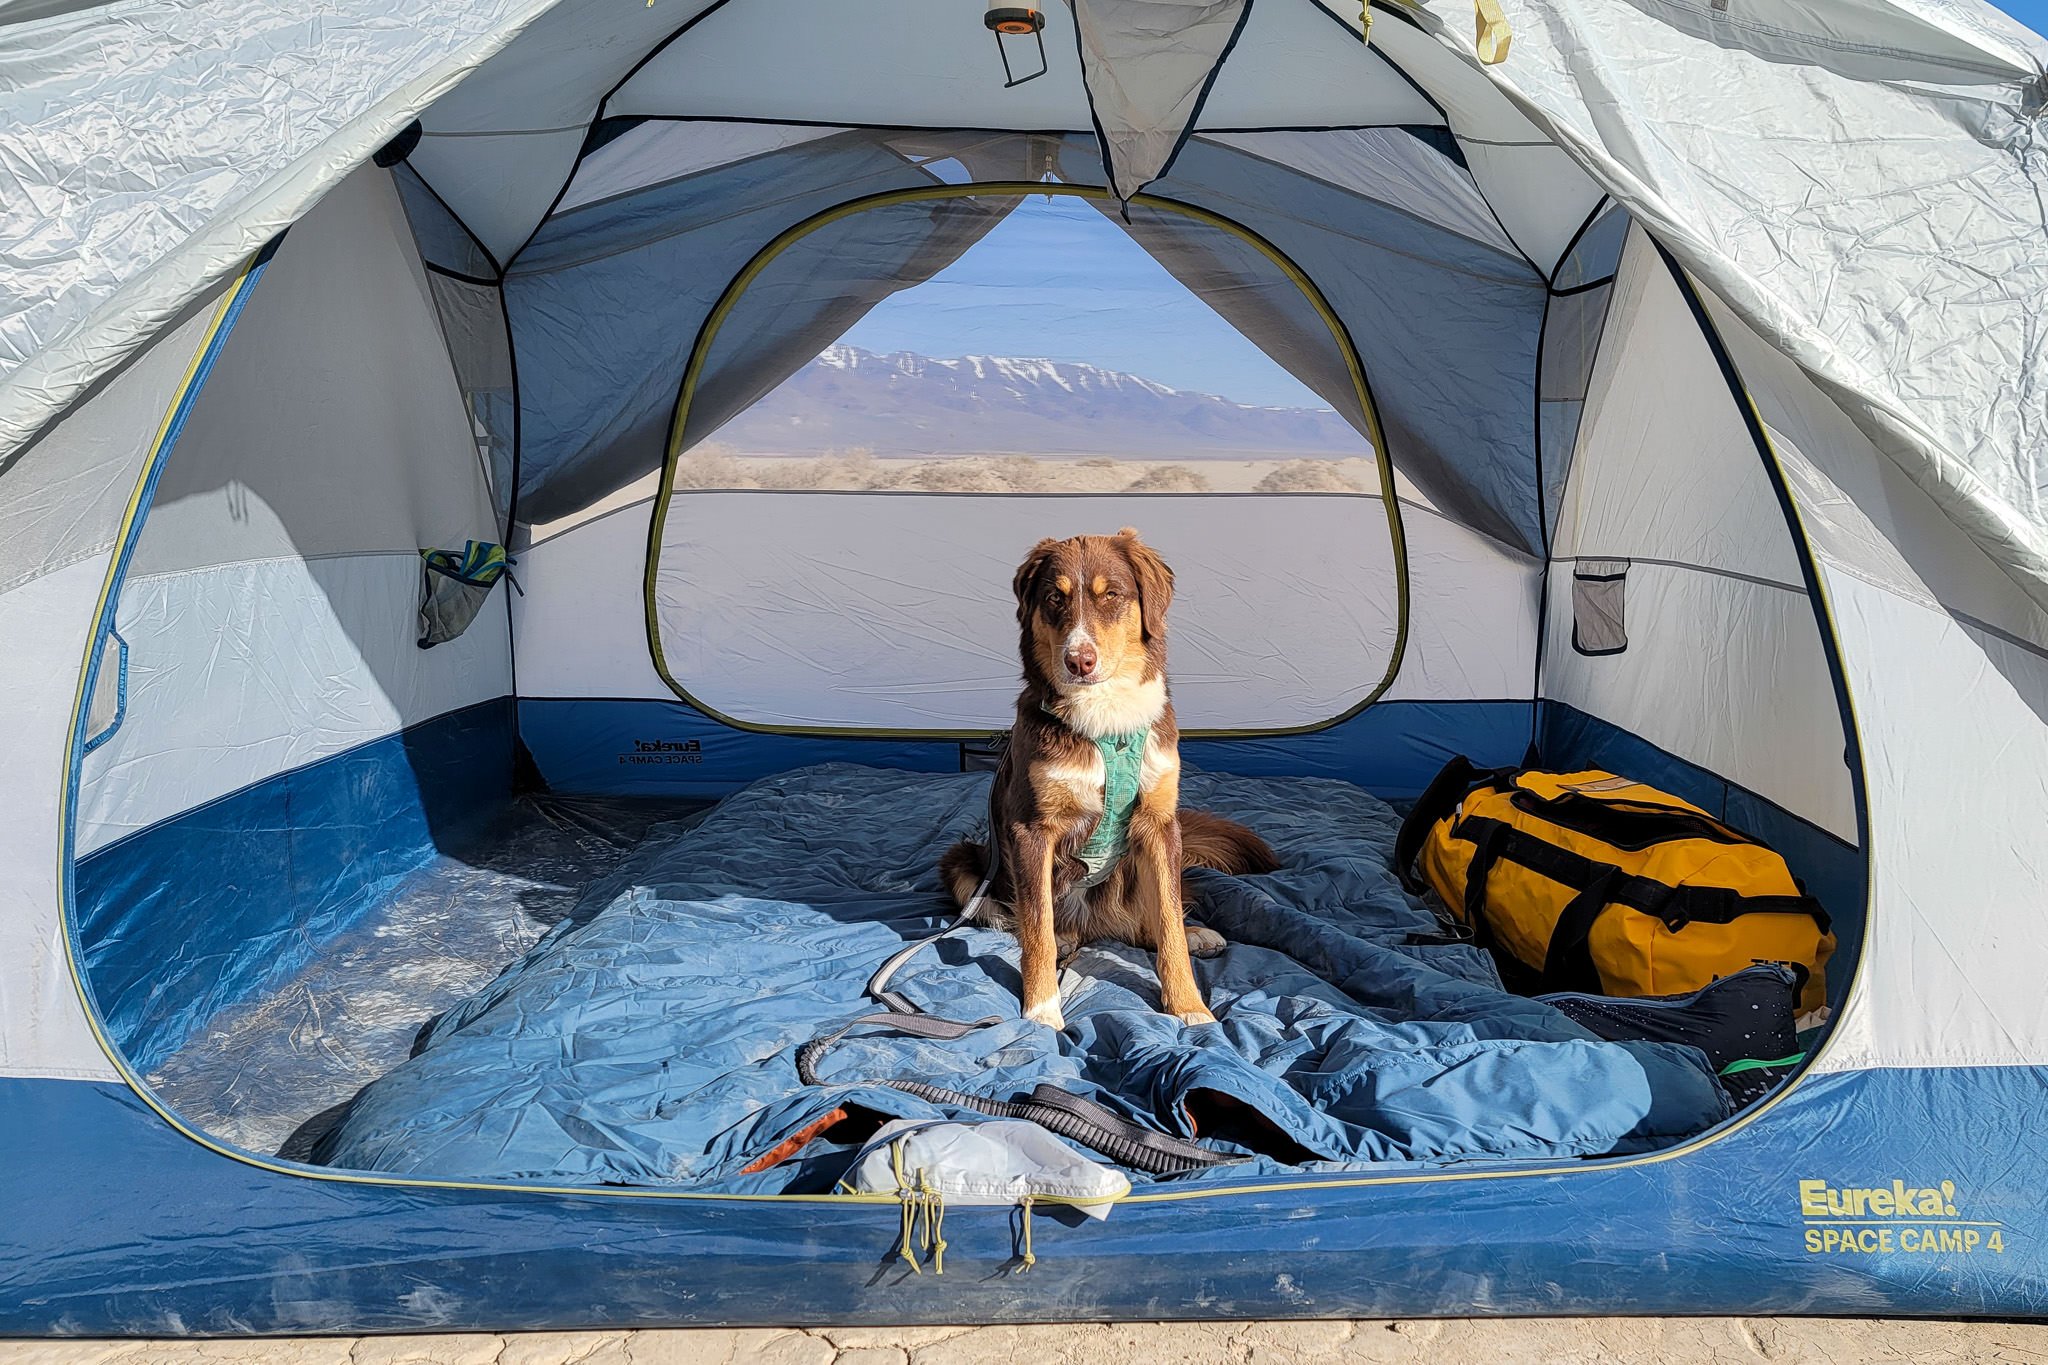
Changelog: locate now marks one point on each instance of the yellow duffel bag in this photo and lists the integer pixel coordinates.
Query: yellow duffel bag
(1592, 882)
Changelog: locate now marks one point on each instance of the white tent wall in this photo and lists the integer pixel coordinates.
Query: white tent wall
(76, 480)
(581, 626)
(1723, 663)
(270, 746)
(270, 608)
(1946, 664)
(893, 612)
(1894, 176)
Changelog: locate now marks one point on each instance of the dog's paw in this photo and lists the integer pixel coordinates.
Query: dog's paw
(1193, 1017)
(1204, 942)
(1047, 1012)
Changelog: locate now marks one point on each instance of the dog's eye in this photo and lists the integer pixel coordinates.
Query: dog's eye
(1110, 594)
(1055, 599)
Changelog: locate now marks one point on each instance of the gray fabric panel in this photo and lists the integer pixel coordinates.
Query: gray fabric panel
(1146, 63)
(332, 422)
(607, 301)
(473, 323)
(1560, 423)
(1447, 327)
(1384, 164)
(443, 241)
(1571, 337)
(822, 284)
(1597, 254)
(1571, 340)
(1599, 606)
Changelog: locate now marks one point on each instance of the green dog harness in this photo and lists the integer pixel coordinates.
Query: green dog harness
(1122, 758)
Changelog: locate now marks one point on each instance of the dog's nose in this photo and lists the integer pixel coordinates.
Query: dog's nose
(1081, 659)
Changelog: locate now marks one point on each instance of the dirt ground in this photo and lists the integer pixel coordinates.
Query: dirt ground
(1554, 1341)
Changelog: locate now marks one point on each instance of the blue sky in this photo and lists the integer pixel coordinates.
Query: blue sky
(2032, 13)
(1057, 279)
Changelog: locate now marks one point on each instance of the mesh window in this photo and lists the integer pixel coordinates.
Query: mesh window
(954, 385)
(838, 555)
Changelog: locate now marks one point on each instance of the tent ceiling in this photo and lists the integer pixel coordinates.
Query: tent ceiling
(500, 147)
(659, 151)
(1539, 193)
(1859, 180)
(1380, 163)
(1285, 72)
(785, 59)
(772, 59)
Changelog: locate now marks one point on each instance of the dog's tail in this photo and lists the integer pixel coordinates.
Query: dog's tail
(961, 868)
(1211, 841)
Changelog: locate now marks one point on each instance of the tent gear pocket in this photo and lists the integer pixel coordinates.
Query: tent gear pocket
(1591, 882)
(454, 585)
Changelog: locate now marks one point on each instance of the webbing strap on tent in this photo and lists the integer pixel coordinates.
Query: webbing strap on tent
(1492, 38)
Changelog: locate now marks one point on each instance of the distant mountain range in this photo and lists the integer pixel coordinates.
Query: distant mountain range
(908, 405)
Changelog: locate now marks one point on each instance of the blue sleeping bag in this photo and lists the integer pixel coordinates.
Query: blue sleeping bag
(650, 1038)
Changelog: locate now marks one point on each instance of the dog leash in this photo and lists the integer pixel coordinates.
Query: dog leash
(878, 984)
(899, 1011)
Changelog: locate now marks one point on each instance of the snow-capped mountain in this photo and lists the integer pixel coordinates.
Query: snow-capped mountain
(907, 404)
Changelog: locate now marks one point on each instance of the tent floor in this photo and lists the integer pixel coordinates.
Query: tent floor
(264, 1066)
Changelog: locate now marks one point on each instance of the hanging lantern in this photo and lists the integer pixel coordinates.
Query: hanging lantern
(1016, 21)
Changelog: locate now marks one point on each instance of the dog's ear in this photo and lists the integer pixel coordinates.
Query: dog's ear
(1027, 573)
(1155, 582)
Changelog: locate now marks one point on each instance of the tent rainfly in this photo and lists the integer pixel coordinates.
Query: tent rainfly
(1697, 350)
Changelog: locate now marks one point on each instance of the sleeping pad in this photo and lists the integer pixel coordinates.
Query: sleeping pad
(650, 1038)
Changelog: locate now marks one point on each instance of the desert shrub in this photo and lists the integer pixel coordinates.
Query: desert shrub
(712, 466)
(1307, 476)
(1169, 478)
(980, 474)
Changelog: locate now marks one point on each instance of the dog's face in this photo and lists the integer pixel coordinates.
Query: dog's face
(1093, 610)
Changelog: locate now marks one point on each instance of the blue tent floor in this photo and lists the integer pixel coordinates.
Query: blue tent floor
(262, 1067)
(654, 1039)
(669, 960)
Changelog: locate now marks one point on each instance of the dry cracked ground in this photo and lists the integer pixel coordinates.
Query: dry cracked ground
(1561, 1341)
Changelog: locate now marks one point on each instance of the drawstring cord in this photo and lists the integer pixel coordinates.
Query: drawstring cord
(922, 1201)
(906, 1237)
(934, 1224)
(1027, 1260)
(923, 1209)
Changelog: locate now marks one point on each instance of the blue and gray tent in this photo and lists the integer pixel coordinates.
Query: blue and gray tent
(1692, 354)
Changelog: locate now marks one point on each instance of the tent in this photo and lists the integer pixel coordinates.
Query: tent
(1697, 349)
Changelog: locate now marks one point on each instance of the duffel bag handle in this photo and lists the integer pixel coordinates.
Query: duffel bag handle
(1438, 799)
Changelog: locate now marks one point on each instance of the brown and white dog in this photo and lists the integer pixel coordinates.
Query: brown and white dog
(1093, 613)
